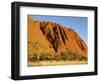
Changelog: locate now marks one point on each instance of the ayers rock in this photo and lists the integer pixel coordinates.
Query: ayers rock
(55, 38)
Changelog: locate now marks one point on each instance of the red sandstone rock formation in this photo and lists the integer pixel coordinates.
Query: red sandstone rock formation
(55, 38)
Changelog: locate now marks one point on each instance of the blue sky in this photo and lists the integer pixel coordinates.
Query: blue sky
(79, 24)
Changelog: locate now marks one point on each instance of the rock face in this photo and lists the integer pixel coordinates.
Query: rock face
(55, 38)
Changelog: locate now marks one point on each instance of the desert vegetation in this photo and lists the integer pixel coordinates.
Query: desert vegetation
(68, 57)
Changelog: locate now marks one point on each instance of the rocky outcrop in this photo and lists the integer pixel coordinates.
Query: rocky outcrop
(55, 38)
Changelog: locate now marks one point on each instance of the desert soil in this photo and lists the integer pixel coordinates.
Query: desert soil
(56, 63)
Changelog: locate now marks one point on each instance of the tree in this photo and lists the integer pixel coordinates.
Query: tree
(37, 48)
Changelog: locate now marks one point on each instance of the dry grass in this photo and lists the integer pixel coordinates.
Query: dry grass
(55, 63)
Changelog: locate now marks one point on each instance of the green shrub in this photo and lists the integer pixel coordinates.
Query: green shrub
(72, 56)
(46, 56)
(67, 55)
(33, 58)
